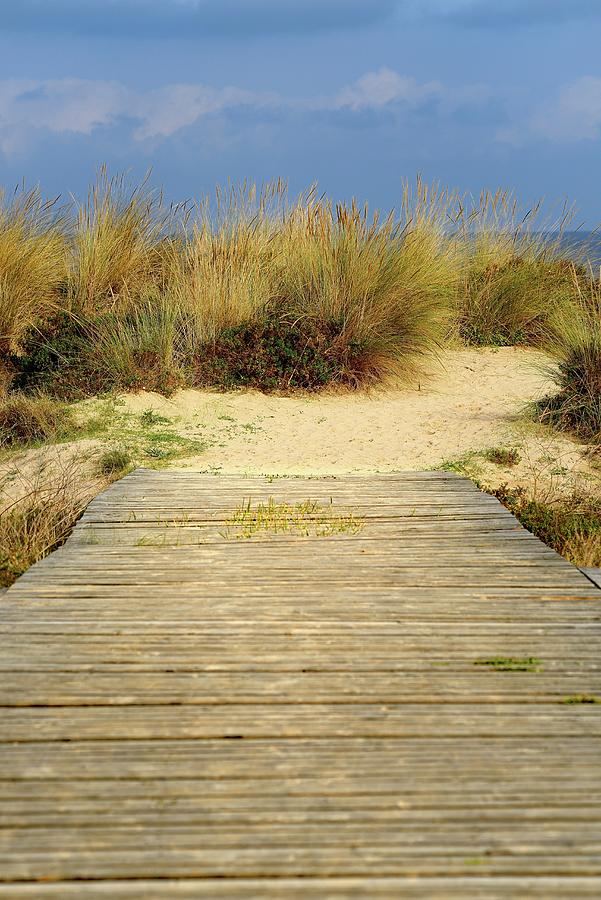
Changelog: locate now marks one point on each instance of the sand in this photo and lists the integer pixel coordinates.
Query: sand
(473, 400)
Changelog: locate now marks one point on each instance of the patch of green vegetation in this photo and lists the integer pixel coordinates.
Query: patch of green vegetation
(115, 462)
(467, 466)
(149, 418)
(274, 353)
(307, 519)
(147, 436)
(581, 698)
(503, 456)
(571, 525)
(511, 664)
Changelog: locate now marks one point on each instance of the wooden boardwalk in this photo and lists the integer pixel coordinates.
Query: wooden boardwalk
(186, 715)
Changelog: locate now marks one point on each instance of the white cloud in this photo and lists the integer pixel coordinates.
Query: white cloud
(576, 114)
(378, 89)
(167, 110)
(78, 107)
(66, 105)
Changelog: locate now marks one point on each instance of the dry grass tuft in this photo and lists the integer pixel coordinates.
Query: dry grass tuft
(385, 287)
(33, 265)
(514, 281)
(40, 518)
(122, 246)
(26, 419)
(577, 348)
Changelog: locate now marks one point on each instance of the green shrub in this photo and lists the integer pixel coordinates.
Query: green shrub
(58, 358)
(276, 354)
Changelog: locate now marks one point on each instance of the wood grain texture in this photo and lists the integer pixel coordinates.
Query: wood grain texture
(407, 711)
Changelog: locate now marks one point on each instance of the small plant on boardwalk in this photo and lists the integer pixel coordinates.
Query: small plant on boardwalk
(511, 664)
(38, 520)
(581, 698)
(570, 525)
(309, 519)
(115, 462)
(503, 456)
(29, 419)
(169, 534)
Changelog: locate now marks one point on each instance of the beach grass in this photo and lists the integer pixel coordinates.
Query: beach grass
(258, 289)
(37, 515)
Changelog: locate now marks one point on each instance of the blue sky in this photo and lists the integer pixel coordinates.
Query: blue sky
(354, 94)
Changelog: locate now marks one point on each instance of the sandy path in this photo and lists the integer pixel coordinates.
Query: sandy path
(474, 401)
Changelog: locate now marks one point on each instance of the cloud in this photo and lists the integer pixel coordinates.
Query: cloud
(574, 116)
(499, 13)
(78, 106)
(66, 105)
(192, 18)
(378, 89)
(31, 111)
(173, 107)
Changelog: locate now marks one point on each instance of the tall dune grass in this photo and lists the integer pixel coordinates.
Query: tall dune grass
(384, 286)
(33, 247)
(576, 346)
(514, 283)
(122, 246)
(227, 273)
(256, 289)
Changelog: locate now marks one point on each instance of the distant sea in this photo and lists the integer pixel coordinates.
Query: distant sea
(582, 246)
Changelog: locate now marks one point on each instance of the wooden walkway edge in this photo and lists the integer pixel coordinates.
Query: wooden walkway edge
(403, 712)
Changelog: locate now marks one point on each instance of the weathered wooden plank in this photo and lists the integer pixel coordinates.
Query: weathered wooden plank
(440, 685)
(158, 858)
(298, 720)
(566, 759)
(331, 888)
